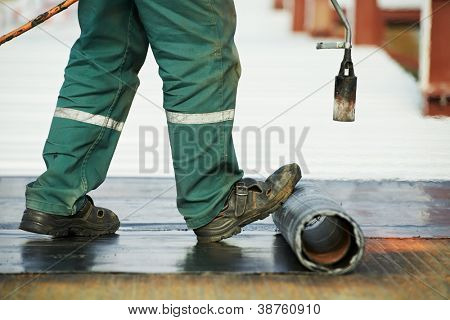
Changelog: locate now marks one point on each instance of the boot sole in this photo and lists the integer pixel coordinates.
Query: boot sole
(64, 229)
(260, 214)
(234, 230)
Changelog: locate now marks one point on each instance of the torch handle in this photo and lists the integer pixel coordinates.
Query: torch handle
(348, 28)
(38, 20)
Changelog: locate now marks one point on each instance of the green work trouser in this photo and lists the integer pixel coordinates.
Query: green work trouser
(193, 43)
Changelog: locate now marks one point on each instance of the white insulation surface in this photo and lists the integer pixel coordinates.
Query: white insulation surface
(390, 139)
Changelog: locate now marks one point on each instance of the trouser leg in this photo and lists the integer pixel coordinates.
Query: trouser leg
(100, 83)
(193, 43)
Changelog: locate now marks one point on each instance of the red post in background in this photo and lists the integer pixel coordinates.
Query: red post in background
(369, 27)
(278, 4)
(319, 18)
(299, 15)
(434, 60)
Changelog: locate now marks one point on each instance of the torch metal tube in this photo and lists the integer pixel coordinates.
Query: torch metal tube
(348, 28)
(322, 235)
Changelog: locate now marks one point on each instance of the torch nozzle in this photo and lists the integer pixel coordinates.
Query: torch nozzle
(345, 90)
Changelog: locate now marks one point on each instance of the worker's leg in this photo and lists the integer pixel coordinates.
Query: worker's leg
(100, 83)
(198, 62)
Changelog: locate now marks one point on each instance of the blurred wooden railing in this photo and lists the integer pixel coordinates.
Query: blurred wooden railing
(371, 20)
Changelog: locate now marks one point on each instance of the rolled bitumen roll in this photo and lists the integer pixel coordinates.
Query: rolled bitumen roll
(322, 235)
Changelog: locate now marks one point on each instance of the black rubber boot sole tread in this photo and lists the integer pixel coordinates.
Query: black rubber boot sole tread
(66, 229)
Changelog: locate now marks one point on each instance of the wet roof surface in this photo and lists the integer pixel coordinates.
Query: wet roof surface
(382, 208)
(155, 249)
(155, 265)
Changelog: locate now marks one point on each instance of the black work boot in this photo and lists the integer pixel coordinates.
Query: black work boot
(250, 200)
(89, 221)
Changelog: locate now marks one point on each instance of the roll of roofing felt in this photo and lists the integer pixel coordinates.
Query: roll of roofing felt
(322, 235)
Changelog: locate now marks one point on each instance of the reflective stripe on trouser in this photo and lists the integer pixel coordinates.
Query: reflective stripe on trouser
(193, 44)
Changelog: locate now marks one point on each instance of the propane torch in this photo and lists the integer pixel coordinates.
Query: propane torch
(345, 81)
